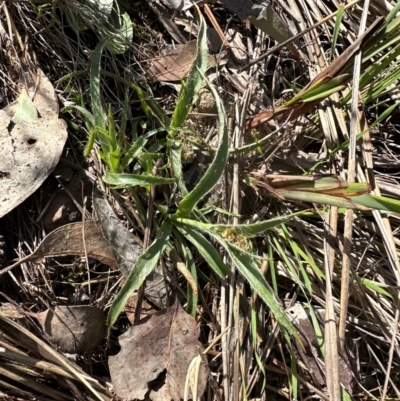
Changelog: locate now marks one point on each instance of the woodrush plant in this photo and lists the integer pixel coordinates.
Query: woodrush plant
(188, 225)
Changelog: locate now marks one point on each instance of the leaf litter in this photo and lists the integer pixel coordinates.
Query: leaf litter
(310, 239)
(30, 147)
(74, 328)
(81, 239)
(160, 348)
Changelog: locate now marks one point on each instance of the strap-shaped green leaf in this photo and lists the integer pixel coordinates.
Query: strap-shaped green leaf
(97, 106)
(206, 249)
(250, 270)
(136, 179)
(143, 267)
(216, 169)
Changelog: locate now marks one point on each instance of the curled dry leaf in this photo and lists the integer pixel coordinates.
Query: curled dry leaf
(30, 149)
(165, 343)
(74, 328)
(180, 4)
(68, 240)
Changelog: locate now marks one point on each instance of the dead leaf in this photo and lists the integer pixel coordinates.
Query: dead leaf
(30, 150)
(176, 64)
(335, 69)
(165, 343)
(130, 308)
(27, 156)
(167, 19)
(11, 311)
(125, 249)
(68, 240)
(74, 328)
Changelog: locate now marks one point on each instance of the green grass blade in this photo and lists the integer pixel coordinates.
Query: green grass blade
(375, 287)
(95, 92)
(321, 199)
(299, 262)
(90, 143)
(133, 152)
(124, 117)
(272, 265)
(175, 151)
(88, 116)
(378, 202)
(250, 230)
(206, 249)
(317, 91)
(324, 93)
(393, 13)
(111, 129)
(294, 377)
(287, 262)
(338, 22)
(250, 270)
(189, 91)
(260, 364)
(143, 267)
(135, 179)
(192, 299)
(216, 169)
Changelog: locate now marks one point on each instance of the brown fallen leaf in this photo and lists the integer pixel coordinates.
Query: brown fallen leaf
(175, 65)
(125, 249)
(130, 307)
(166, 343)
(68, 240)
(74, 328)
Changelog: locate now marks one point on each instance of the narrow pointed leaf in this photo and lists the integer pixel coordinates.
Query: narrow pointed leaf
(338, 22)
(97, 106)
(217, 166)
(143, 267)
(250, 230)
(189, 91)
(206, 249)
(134, 151)
(378, 202)
(321, 199)
(249, 269)
(136, 179)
